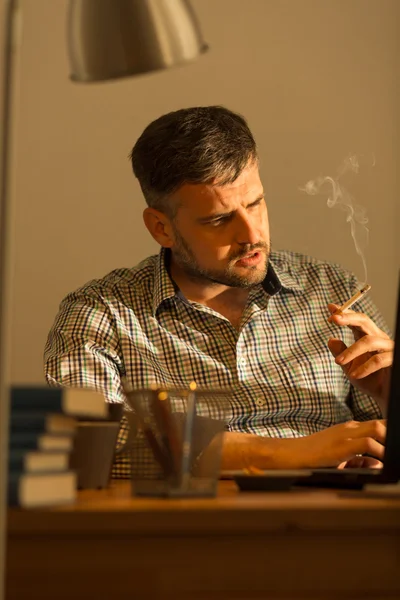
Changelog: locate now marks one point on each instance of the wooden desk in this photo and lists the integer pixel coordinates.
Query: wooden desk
(304, 544)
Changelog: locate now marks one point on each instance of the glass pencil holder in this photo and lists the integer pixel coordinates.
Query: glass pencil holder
(175, 441)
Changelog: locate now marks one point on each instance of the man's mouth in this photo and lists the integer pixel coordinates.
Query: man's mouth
(249, 260)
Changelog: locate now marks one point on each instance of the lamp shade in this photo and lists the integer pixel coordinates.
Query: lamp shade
(117, 38)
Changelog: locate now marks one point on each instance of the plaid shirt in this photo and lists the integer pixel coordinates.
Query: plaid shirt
(284, 381)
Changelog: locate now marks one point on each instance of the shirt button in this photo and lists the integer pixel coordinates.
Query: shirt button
(261, 401)
(243, 362)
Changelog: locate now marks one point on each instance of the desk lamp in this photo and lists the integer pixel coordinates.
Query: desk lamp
(107, 39)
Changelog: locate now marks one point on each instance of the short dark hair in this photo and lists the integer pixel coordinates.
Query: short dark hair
(202, 144)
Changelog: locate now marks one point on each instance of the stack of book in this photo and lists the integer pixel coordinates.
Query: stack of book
(43, 422)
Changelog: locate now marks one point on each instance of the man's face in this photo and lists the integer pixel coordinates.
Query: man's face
(221, 233)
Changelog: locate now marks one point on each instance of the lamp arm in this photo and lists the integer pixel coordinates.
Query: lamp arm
(11, 21)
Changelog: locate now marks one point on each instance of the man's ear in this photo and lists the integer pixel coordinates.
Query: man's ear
(159, 226)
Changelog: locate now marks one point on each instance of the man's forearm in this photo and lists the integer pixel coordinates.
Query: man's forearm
(241, 450)
(329, 447)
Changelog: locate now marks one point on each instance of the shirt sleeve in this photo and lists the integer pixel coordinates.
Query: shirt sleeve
(363, 407)
(82, 348)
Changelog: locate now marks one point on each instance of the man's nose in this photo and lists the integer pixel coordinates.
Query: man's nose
(247, 232)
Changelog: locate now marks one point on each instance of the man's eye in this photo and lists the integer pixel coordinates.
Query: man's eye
(257, 203)
(220, 221)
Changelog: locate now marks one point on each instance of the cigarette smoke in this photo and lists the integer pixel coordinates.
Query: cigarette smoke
(340, 197)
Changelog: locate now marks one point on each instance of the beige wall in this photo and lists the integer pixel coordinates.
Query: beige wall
(316, 80)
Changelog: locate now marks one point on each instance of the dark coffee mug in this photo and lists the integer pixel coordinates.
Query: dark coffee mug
(94, 450)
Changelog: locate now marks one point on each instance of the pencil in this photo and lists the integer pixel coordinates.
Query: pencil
(188, 436)
(145, 423)
(169, 434)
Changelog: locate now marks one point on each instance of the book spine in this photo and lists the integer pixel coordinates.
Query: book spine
(13, 488)
(41, 422)
(13, 493)
(17, 479)
(24, 440)
(39, 398)
(22, 460)
(21, 422)
(16, 463)
(31, 440)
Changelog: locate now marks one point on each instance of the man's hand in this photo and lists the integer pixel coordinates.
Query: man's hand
(338, 446)
(361, 462)
(341, 445)
(367, 362)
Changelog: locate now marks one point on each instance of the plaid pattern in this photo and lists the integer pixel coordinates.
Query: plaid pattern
(284, 381)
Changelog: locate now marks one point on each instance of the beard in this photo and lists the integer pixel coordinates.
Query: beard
(188, 263)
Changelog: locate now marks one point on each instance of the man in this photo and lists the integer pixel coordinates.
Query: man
(218, 307)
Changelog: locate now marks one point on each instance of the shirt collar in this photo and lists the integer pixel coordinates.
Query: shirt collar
(164, 287)
(276, 279)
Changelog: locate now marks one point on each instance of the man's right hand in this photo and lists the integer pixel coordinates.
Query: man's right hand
(335, 446)
(338, 446)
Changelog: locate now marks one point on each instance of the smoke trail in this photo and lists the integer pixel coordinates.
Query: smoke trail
(341, 198)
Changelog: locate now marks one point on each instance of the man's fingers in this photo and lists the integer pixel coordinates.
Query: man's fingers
(368, 343)
(372, 365)
(367, 445)
(336, 347)
(363, 462)
(357, 320)
(375, 430)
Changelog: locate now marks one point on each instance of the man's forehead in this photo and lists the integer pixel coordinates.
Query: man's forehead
(246, 188)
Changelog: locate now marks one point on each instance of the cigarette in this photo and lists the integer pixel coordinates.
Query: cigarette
(354, 298)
